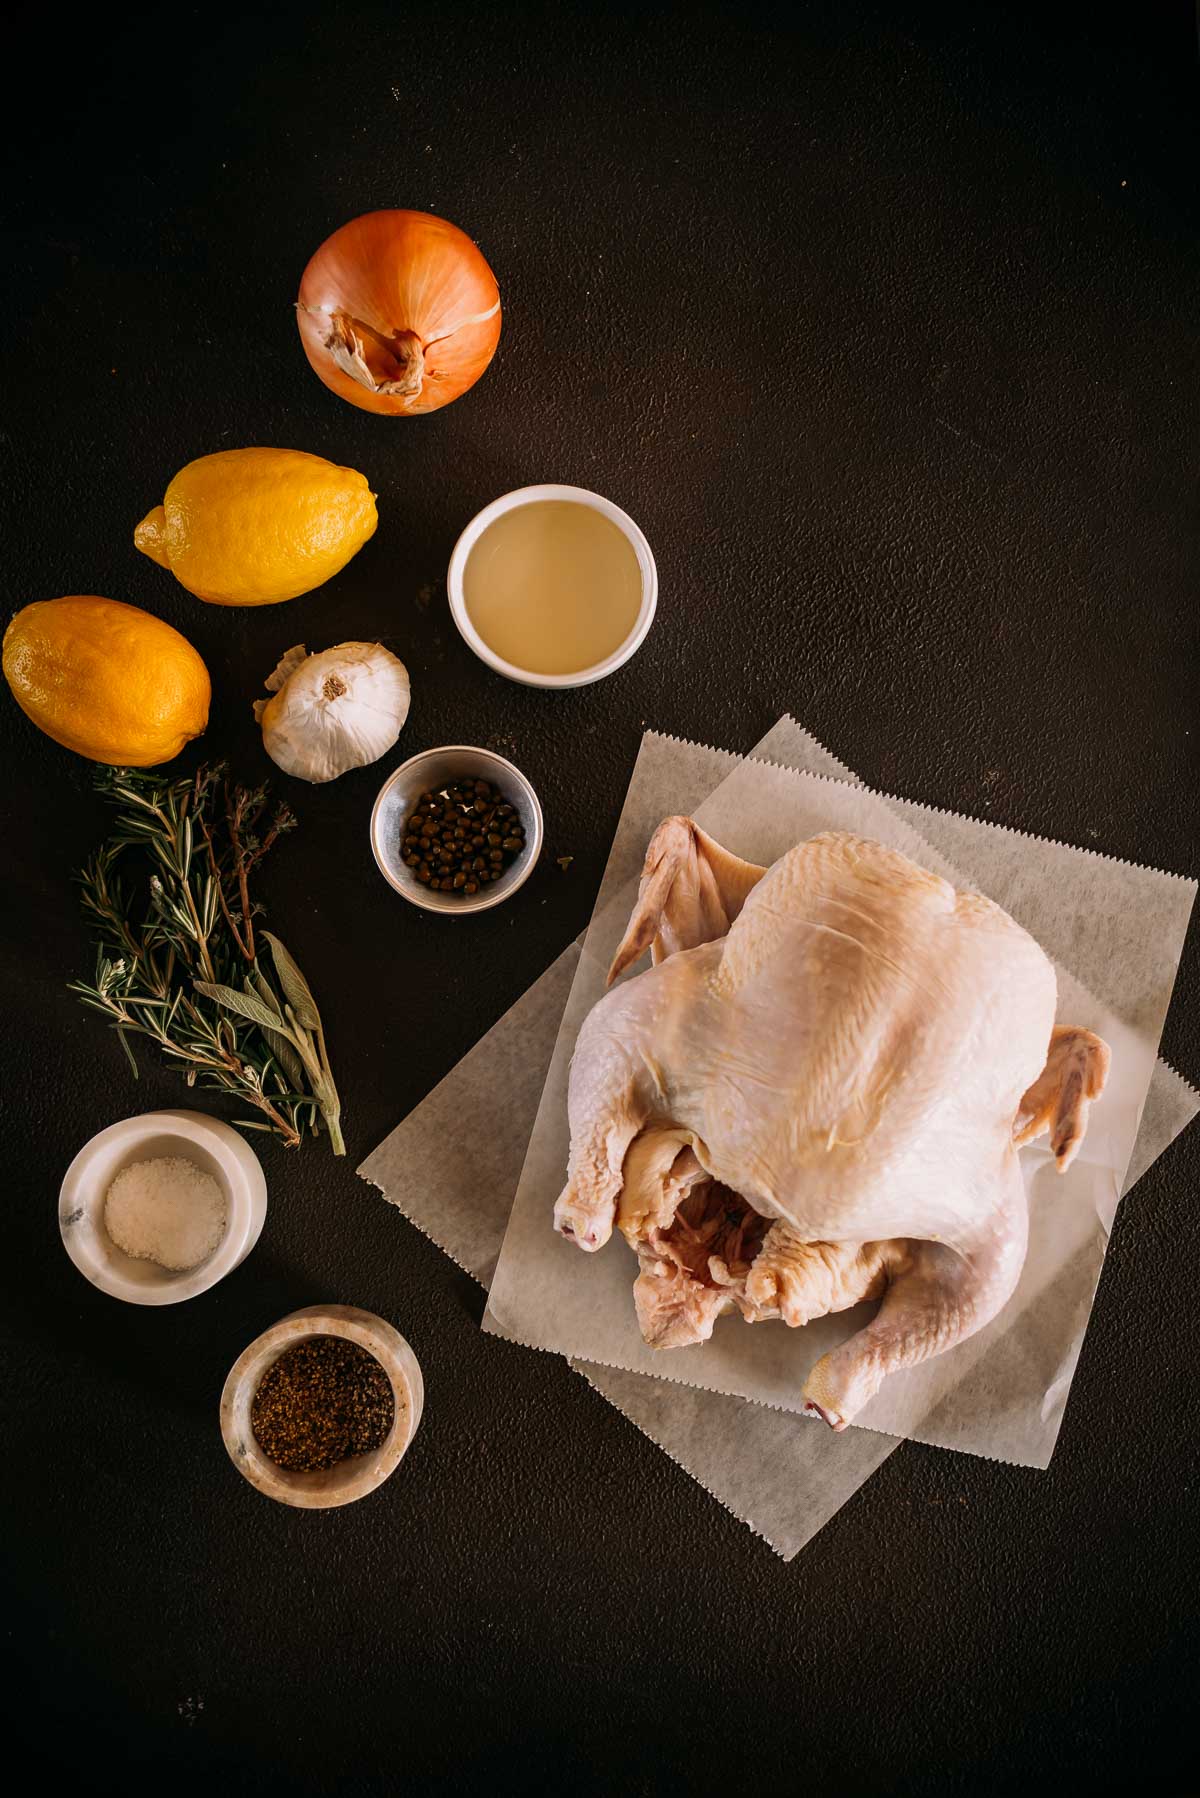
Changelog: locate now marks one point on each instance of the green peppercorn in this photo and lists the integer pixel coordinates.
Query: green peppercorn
(460, 837)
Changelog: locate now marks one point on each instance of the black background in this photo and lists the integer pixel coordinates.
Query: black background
(882, 321)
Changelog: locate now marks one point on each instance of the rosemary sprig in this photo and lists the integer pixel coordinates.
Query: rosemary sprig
(181, 966)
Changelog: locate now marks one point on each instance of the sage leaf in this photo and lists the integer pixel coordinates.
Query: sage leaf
(244, 1004)
(295, 987)
(256, 981)
(285, 1054)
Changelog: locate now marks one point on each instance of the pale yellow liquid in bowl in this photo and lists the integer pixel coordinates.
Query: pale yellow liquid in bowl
(553, 587)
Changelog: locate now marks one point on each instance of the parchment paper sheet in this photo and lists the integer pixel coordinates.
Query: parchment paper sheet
(1003, 1392)
(779, 1474)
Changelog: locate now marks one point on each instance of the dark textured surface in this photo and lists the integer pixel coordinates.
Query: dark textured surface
(882, 322)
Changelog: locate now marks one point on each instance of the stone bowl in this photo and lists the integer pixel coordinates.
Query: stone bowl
(213, 1146)
(350, 1479)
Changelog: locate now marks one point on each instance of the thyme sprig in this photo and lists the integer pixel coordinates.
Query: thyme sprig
(176, 952)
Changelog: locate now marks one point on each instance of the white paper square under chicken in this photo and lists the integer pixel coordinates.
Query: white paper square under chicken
(1001, 1392)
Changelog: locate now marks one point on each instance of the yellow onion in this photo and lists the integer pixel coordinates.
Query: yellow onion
(399, 312)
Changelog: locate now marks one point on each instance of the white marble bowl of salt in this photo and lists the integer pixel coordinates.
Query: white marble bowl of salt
(215, 1151)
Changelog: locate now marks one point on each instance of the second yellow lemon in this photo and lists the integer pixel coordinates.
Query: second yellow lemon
(105, 679)
(251, 527)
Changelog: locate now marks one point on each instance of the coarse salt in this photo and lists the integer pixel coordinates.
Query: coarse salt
(167, 1210)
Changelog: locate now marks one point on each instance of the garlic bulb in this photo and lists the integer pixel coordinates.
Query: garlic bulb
(334, 711)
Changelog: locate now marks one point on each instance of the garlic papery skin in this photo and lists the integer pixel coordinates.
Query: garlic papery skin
(333, 711)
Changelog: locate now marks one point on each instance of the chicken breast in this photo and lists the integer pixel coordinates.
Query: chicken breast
(815, 1096)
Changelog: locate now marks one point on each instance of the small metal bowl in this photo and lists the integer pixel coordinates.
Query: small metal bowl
(434, 768)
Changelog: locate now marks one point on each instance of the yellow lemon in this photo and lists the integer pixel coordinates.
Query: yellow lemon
(106, 680)
(250, 527)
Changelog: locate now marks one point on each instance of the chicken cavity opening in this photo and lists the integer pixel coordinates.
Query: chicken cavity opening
(697, 1266)
(715, 1235)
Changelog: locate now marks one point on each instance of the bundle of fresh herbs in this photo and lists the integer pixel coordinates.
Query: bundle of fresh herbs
(176, 948)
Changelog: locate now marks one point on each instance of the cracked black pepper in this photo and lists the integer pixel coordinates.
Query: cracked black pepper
(322, 1401)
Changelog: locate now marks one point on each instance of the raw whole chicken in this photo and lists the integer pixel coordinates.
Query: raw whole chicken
(815, 1096)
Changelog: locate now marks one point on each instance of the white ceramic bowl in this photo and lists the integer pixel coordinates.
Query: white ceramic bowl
(352, 1478)
(433, 768)
(211, 1145)
(525, 496)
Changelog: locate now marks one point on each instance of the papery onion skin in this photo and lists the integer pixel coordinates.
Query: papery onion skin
(399, 312)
